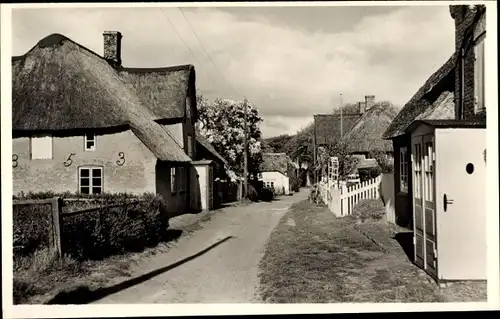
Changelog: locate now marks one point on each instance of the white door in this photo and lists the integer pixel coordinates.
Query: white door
(461, 203)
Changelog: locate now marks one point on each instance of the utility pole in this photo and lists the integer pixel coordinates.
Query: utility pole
(245, 169)
(341, 124)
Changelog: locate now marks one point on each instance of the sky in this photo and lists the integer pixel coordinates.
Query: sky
(291, 62)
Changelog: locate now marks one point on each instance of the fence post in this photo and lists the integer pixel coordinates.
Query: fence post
(57, 224)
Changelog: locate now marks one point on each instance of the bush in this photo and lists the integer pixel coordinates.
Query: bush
(267, 194)
(114, 230)
(32, 226)
(96, 234)
(295, 183)
(386, 164)
(369, 209)
(369, 173)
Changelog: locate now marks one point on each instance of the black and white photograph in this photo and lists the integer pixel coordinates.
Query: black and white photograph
(333, 154)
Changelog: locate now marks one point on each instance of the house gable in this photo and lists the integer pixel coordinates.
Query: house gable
(60, 86)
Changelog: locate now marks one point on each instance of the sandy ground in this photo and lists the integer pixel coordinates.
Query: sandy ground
(216, 264)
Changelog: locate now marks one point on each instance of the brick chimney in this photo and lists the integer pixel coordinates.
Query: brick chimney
(369, 101)
(113, 47)
(362, 107)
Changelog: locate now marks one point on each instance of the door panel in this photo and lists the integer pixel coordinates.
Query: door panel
(418, 209)
(429, 203)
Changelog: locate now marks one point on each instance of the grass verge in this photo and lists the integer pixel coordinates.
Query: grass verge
(313, 257)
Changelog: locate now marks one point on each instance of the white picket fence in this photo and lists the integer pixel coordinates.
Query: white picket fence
(341, 200)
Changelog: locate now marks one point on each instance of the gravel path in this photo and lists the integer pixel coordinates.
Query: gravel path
(222, 259)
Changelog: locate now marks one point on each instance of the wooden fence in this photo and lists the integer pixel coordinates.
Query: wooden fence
(341, 200)
(57, 216)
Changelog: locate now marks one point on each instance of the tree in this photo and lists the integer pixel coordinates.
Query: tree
(348, 108)
(280, 144)
(221, 122)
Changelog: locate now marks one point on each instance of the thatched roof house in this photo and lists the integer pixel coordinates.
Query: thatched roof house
(327, 128)
(366, 134)
(274, 162)
(434, 100)
(62, 87)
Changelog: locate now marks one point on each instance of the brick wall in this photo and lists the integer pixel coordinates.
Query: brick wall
(464, 17)
(136, 175)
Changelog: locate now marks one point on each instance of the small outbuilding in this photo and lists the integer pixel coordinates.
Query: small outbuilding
(448, 166)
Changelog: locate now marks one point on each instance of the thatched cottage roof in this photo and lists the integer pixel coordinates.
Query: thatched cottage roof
(163, 90)
(433, 99)
(209, 147)
(60, 85)
(327, 127)
(366, 133)
(274, 162)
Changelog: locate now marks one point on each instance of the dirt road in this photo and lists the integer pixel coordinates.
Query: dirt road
(216, 264)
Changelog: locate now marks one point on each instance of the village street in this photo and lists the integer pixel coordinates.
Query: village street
(225, 273)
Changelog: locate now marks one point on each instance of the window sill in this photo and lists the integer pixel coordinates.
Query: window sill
(480, 111)
(402, 193)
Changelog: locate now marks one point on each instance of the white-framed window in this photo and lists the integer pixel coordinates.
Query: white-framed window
(403, 170)
(173, 180)
(479, 67)
(41, 146)
(90, 179)
(89, 141)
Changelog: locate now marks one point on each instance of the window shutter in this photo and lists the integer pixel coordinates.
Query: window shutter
(41, 147)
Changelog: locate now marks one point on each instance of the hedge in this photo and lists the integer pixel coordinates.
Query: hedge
(96, 234)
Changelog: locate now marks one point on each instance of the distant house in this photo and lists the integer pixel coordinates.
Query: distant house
(83, 123)
(365, 136)
(439, 138)
(331, 128)
(275, 171)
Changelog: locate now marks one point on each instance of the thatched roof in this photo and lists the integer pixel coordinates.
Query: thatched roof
(327, 127)
(443, 80)
(274, 162)
(60, 85)
(163, 90)
(366, 133)
(210, 148)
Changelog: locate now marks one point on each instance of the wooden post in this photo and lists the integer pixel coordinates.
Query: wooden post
(57, 224)
(245, 169)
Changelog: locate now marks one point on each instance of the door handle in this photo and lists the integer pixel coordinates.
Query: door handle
(446, 202)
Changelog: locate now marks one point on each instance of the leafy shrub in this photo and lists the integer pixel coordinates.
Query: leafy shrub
(267, 194)
(132, 223)
(295, 183)
(32, 228)
(114, 230)
(369, 173)
(369, 209)
(386, 163)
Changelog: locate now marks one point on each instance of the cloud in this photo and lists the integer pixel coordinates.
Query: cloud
(290, 72)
